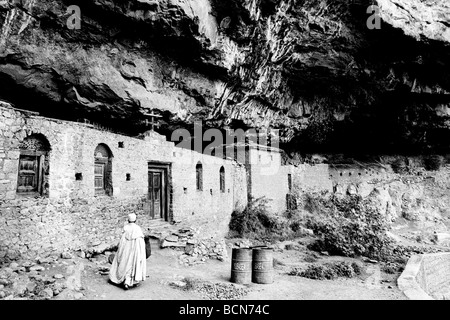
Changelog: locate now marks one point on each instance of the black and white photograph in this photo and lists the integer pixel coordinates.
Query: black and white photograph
(224, 156)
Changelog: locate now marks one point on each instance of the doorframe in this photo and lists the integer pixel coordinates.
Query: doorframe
(167, 167)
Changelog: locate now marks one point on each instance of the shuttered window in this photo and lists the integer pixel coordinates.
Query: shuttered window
(28, 179)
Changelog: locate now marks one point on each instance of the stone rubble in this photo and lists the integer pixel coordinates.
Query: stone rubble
(210, 290)
(33, 280)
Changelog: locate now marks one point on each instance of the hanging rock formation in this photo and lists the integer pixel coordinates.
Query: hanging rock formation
(313, 69)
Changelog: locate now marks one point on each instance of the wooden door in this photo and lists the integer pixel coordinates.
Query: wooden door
(99, 177)
(28, 179)
(157, 193)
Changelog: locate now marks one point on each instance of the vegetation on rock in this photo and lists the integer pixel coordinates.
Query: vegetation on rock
(349, 226)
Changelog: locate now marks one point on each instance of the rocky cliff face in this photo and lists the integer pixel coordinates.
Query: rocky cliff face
(313, 69)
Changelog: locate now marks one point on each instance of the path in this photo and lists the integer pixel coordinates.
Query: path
(163, 267)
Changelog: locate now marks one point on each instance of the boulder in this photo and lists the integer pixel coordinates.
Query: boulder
(46, 293)
(172, 238)
(37, 268)
(441, 238)
(167, 244)
(66, 255)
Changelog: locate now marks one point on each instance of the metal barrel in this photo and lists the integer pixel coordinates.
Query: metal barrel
(241, 263)
(262, 265)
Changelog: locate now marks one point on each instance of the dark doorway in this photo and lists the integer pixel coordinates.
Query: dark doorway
(158, 190)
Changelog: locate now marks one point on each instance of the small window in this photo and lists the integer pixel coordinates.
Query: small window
(290, 182)
(78, 176)
(222, 179)
(199, 176)
(121, 144)
(128, 177)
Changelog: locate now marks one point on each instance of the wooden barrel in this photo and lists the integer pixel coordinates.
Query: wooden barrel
(241, 263)
(262, 265)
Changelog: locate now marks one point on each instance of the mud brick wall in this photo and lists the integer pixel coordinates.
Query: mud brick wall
(311, 178)
(344, 174)
(209, 206)
(268, 178)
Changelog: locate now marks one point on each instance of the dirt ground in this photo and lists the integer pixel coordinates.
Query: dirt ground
(163, 269)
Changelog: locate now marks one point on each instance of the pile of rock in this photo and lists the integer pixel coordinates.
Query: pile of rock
(186, 239)
(210, 290)
(221, 291)
(27, 280)
(198, 252)
(180, 238)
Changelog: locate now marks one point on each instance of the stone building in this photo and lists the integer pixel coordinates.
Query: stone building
(67, 185)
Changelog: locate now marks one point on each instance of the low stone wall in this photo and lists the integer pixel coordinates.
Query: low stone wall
(426, 277)
(42, 227)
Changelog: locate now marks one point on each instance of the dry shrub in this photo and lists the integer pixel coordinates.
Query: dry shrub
(433, 162)
(328, 271)
(255, 222)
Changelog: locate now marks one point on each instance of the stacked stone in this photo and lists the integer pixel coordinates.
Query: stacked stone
(202, 250)
(48, 227)
(26, 279)
(195, 249)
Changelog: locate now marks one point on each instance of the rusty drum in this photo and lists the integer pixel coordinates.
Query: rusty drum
(241, 264)
(262, 265)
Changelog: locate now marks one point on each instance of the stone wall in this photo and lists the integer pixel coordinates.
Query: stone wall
(34, 226)
(426, 276)
(43, 227)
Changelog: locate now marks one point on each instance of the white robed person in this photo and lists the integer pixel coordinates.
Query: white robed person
(129, 264)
